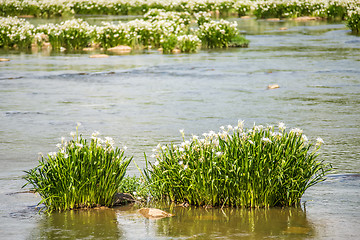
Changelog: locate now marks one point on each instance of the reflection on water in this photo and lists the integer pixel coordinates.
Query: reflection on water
(229, 223)
(188, 223)
(81, 224)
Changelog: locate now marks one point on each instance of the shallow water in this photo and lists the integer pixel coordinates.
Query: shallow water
(142, 99)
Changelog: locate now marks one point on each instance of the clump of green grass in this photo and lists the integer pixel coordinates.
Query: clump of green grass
(81, 174)
(259, 167)
(353, 20)
(15, 32)
(217, 34)
(136, 186)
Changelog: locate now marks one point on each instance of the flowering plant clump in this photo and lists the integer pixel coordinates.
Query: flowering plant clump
(80, 174)
(157, 29)
(181, 18)
(259, 8)
(202, 17)
(38, 8)
(353, 21)
(259, 167)
(188, 43)
(111, 35)
(15, 32)
(72, 34)
(217, 34)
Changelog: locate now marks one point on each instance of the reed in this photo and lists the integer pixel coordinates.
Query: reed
(259, 167)
(81, 174)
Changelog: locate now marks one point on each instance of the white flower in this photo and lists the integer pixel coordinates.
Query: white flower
(319, 141)
(265, 139)
(282, 126)
(153, 156)
(194, 137)
(297, 131)
(182, 131)
(181, 162)
(73, 134)
(156, 163)
(251, 142)
(241, 124)
(58, 145)
(219, 154)
(78, 124)
(95, 134)
(186, 167)
(52, 154)
(79, 145)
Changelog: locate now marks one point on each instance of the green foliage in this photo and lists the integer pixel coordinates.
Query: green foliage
(353, 20)
(188, 43)
(167, 30)
(111, 35)
(15, 32)
(80, 174)
(168, 43)
(215, 34)
(239, 41)
(136, 186)
(71, 34)
(254, 168)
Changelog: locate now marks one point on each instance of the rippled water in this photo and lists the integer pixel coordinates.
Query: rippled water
(142, 99)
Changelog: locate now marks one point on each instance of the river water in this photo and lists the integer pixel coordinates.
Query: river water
(141, 99)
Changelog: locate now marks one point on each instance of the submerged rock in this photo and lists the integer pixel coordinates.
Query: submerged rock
(273, 86)
(120, 49)
(4, 59)
(99, 56)
(273, 19)
(153, 213)
(123, 198)
(303, 19)
(26, 16)
(297, 230)
(88, 49)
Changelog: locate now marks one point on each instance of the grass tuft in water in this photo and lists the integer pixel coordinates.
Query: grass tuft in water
(81, 174)
(259, 167)
(353, 20)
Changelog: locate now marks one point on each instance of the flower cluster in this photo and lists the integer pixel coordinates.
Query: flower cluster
(261, 8)
(188, 43)
(80, 174)
(353, 20)
(15, 32)
(217, 34)
(167, 30)
(72, 34)
(257, 167)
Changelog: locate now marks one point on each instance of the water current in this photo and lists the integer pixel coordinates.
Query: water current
(143, 98)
